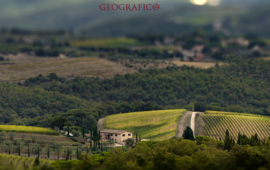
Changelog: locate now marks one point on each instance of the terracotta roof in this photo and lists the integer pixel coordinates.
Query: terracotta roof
(113, 131)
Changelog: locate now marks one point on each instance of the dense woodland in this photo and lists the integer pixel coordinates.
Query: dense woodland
(241, 86)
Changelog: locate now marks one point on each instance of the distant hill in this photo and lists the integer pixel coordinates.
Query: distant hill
(175, 16)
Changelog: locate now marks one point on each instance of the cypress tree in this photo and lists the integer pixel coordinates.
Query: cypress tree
(28, 150)
(91, 133)
(36, 163)
(77, 152)
(99, 139)
(239, 138)
(68, 132)
(101, 146)
(136, 138)
(188, 134)
(19, 149)
(67, 155)
(9, 147)
(227, 141)
(48, 151)
(38, 151)
(91, 144)
(83, 133)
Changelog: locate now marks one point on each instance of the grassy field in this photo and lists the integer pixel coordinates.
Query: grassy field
(18, 162)
(216, 124)
(158, 125)
(196, 64)
(27, 129)
(106, 42)
(25, 66)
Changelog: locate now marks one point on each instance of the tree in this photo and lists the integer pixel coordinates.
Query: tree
(38, 150)
(68, 153)
(228, 141)
(2, 137)
(23, 136)
(78, 151)
(33, 137)
(58, 150)
(11, 135)
(48, 150)
(191, 106)
(20, 146)
(130, 141)
(60, 122)
(199, 106)
(28, 150)
(36, 162)
(88, 122)
(188, 134)
(83, 133)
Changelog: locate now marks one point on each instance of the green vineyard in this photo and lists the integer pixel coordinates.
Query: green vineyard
(216, 124)
(19, 162)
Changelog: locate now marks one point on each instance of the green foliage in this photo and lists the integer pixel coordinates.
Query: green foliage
(191, 106)
(130, 141)
(228, 141)
(188, 133)
(27, 106)
(36, 162)
(202, 139)
(65, 165)
(176, 87)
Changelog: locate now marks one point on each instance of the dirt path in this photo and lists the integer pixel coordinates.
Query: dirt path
(192, 122)
(182, 123)
(101, 124)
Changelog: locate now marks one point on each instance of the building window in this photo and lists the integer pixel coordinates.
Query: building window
(129, 134)
(123, 135)
(115, 134)
(111, 134)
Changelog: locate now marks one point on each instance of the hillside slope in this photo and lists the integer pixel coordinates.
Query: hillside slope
(158, 125)
(216, 124)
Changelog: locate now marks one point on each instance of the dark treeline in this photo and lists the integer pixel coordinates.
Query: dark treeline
(241, 86)
(143, 53)
(17, 31)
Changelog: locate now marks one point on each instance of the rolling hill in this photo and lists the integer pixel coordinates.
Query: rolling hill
(174, 17)
(158, 125)
(216, 124)
(161, 124)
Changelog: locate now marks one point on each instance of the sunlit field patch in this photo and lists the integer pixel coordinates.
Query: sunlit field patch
(158, 125)
(27, 129)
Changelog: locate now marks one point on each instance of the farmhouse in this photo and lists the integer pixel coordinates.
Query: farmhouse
(119, 136)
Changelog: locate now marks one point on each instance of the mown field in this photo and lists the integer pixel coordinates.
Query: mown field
(27, 129)
(19, 162)
(106, 42)
(158, 125)
(24, 66)
(216, 124)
